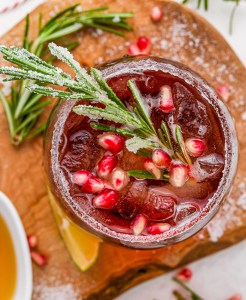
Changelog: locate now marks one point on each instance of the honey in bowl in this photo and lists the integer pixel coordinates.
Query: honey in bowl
(7, 263)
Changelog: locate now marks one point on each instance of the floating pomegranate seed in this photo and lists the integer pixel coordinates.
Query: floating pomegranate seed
(119, 179)
(93, 185)
(156, 14)
(178, 174)
(106, 200)
(81, 177)
(157, 228)
(32, 240)
(236, 297)
(184, 274)
(40, 259)
(111, 141)
(151, 167)
(106, 165)
(195, 147)
(141, 47)
(139, 224)
(161, 159)
(224, 91)
(166, 99)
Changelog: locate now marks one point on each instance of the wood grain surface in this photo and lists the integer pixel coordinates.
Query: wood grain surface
(183, 36)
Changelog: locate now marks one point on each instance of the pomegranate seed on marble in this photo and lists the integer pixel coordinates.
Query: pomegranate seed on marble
(139, 224)
(195, 147)
(152, 168)
(156, 14)
(161, 159)
(112, 142)
(166, 99)
(81, 177)
(184, 274)
(93, 185)
(224, 91)
(119, 179)
(40, 259)
(178, 174)
(32, 240)
(236, 297)
(106, 165)
(106, 200)
(157, 228)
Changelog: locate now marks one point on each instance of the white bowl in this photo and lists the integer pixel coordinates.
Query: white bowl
(23, 289)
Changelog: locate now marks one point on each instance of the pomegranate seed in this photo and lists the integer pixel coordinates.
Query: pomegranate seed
(106, 165)
(119, 179)
(139, 224)
(236, 297)
(106, 200)
(93, 185)
(178, 174)
(141, 47)
(143, 43)
(108, 185)
(157, 228)
(81, 177)
(32, 240)
(156, 14)
(111, 141)
(195, 147)
(40, 259)
(224, 91)
(184, 274)
(161, 158)
(166, 99)
(151, 167)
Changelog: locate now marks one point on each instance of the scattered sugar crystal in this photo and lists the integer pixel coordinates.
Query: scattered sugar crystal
(60, 292)
(243, 116)
(116, 19)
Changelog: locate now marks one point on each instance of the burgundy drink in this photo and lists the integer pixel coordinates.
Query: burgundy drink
(88, 169)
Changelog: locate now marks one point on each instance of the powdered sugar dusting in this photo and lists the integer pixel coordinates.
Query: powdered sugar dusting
(59, 292)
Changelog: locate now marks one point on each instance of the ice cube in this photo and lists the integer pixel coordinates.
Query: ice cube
(207, 167)
(191, 114)
(160, 204)
(186, 211)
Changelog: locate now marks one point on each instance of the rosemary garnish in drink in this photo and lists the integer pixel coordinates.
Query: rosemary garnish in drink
(23, 108)
(137, 124)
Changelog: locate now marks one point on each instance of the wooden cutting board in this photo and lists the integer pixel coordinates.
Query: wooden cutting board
(183, 36)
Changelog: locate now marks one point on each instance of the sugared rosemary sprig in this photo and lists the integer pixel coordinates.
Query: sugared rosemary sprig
(136, 121)
(194, 295)
(23, 108)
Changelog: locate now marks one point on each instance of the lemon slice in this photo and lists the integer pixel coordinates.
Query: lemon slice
(82, 246)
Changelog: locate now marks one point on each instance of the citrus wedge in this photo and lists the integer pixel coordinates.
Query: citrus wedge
(82, 246)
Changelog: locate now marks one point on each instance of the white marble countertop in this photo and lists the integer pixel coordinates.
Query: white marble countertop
(219, 276)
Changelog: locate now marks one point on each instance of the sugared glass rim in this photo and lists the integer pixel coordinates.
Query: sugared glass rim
(136, 65)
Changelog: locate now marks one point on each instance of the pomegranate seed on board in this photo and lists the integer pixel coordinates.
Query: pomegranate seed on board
(139, 224)
(178, 174)
(111, 141)
(40, 259)
(93, 185)
(195, 147)
(106, 165)
(32, 240)
(161, 159)
(81, 177)
(224, 91)
(166, 99)
(151, 167)
(156, 14)
(106, 200)
(119, 179)
(184, 274)
(141, 47)
(157, 228)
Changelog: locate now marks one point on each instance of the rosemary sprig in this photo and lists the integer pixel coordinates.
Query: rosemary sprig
(136, 121)
(142, 174)
(194, 295)
(23, 108)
